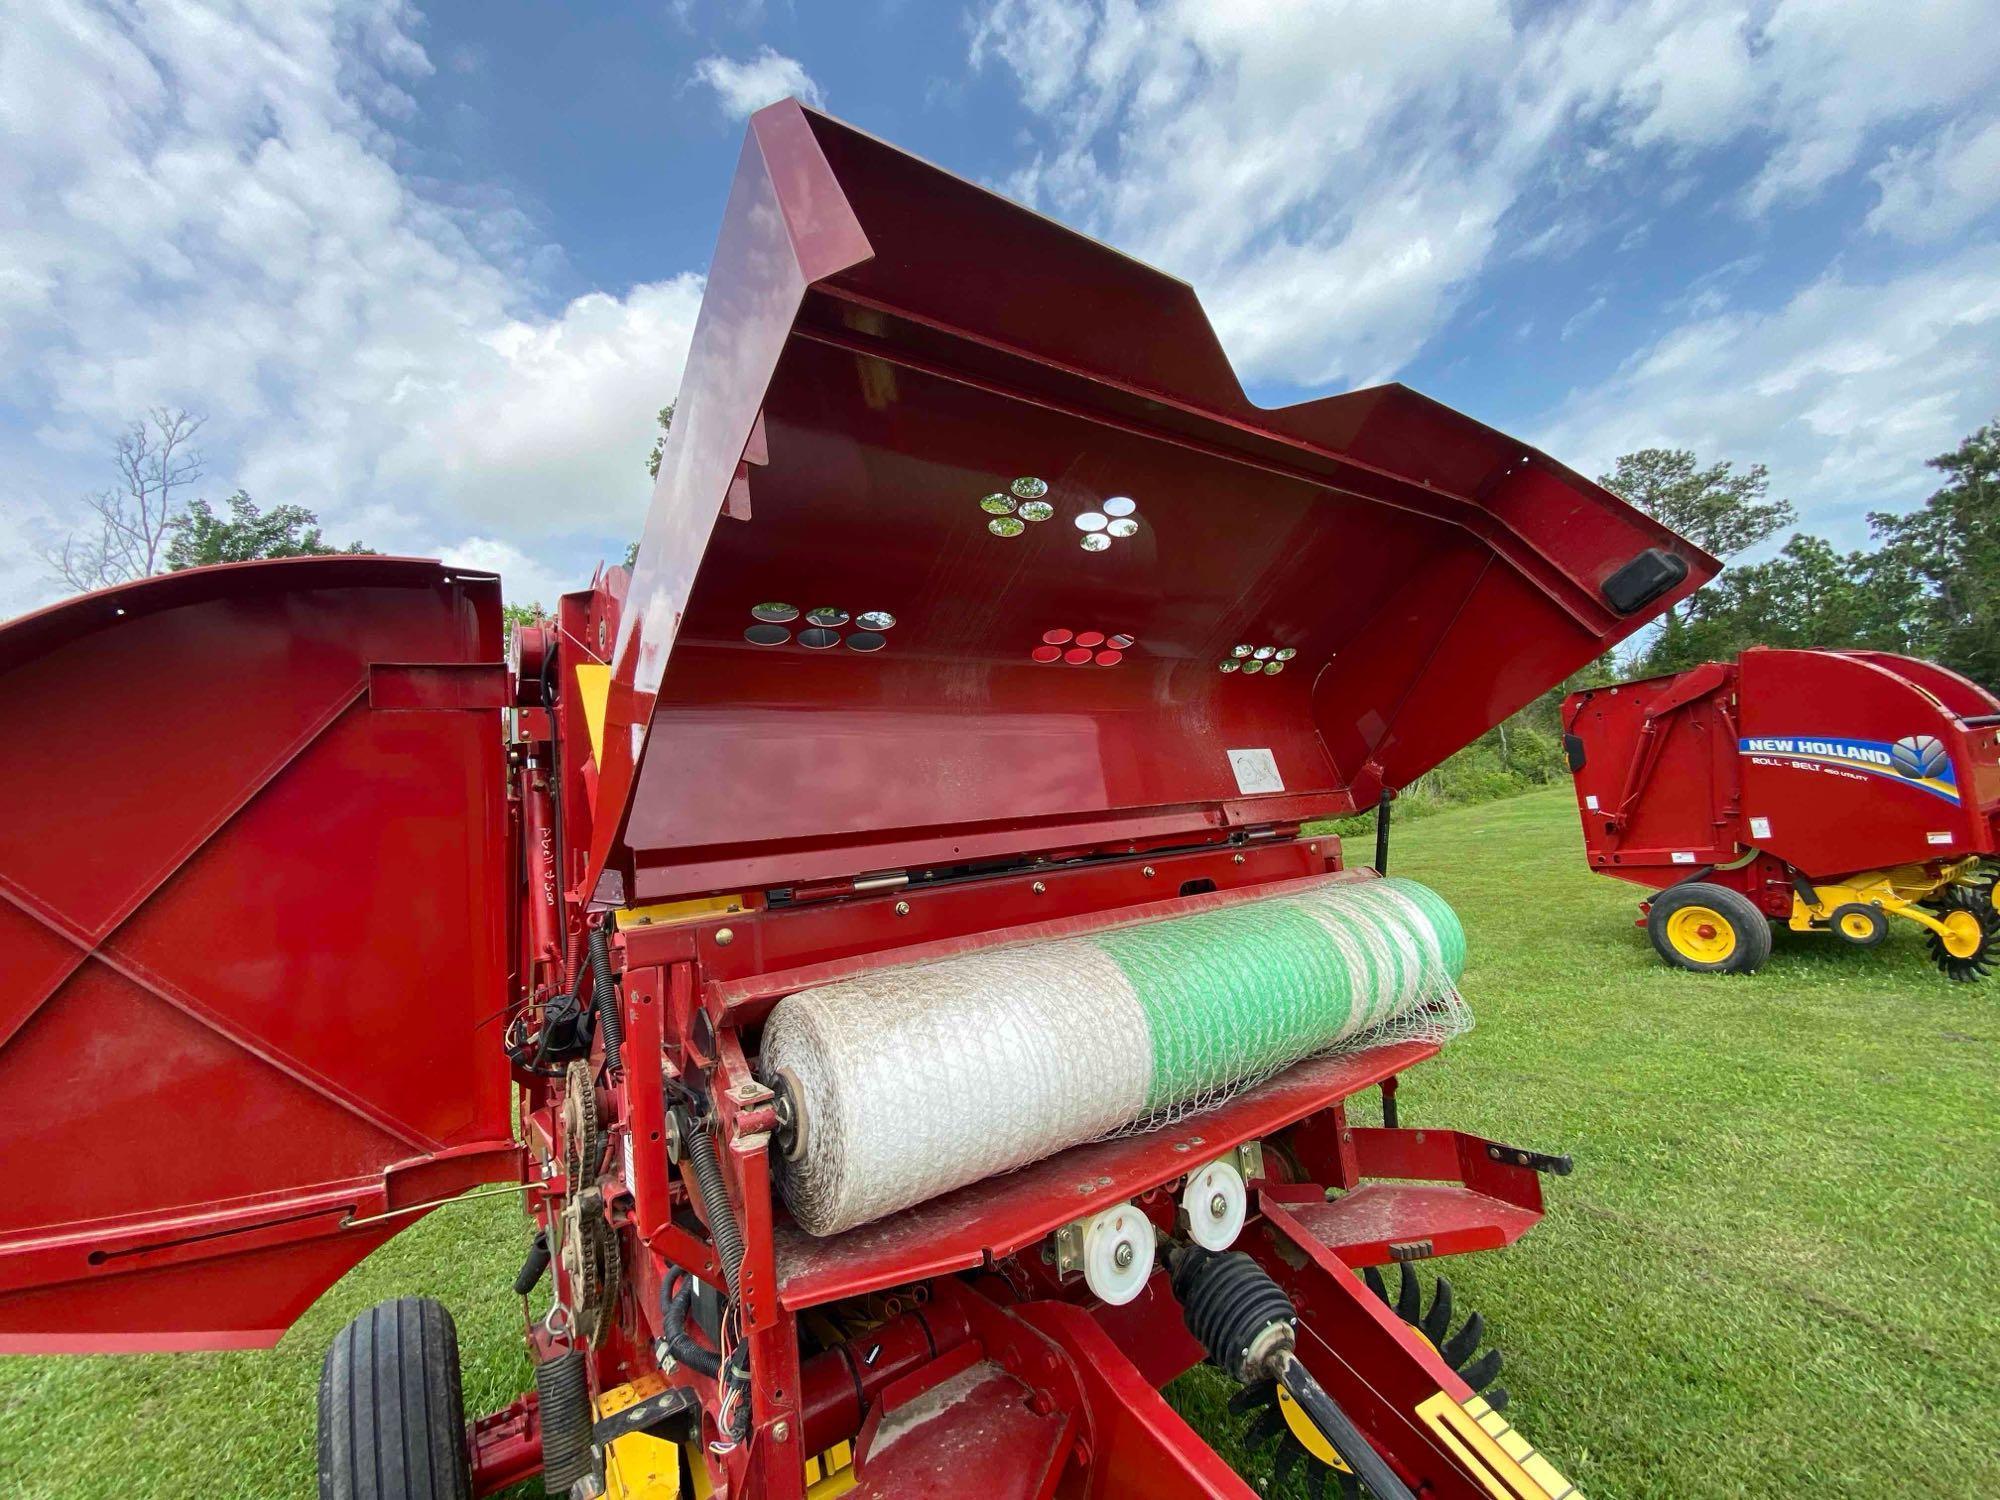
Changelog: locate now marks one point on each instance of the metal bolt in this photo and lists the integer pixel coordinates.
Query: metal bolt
(780, 1431)
(1218, 1206)
(724, 936)
(1236, 859)
(1039, 889)
(1147, 872)
(1123, 1255)
(902, 908)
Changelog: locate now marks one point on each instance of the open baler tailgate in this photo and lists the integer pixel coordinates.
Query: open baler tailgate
(251, 917)
(882, 348)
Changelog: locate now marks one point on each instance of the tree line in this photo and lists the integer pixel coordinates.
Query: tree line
(1927, 586)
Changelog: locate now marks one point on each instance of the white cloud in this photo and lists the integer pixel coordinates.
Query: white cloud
(1838, 70)
(1844, 391)
(1932, 191)
(743, 88)
(1333, 178)
(201, 207)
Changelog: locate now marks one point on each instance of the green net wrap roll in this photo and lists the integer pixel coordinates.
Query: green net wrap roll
(916, 1080)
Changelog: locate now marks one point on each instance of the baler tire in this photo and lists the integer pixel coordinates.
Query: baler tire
(1748, 928)
(391, 1410)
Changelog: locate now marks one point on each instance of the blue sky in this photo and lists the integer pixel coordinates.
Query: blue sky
(430, 269)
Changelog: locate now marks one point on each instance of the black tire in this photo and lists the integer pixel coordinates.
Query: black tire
(391, 1412)
(1869, 924)
(1748, 929)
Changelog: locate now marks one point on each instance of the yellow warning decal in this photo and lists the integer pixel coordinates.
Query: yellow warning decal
(1494, 1452)
(832, 1473)
(593, 687)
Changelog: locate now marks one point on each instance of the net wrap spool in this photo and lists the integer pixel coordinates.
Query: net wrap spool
(913, 1081)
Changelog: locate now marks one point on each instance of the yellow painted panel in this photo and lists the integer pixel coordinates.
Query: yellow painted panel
(1494, 1452)
(593, 686)
(666, 913)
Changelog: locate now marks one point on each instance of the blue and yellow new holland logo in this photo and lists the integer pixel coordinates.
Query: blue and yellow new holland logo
(1919, 760)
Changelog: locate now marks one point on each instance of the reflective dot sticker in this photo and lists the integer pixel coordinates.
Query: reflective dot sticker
(1286, 653)
(1241, 650)
(1029, 488)
(1120, 505)
(875, 619)
(826, 614)
(1057, 637)
(1036, 510)
(1253, 667)
(1090, 637)
(1097, 541)
(767, 635)
(868, 640)
(819, 640)
(1225, 666)
(998, 505)
(1047, 653)
(1005, 526)
(1110, 658)
(1123, 526)
(776, 613)
(1090, 520)
(1076, 656)
(1121, 641)
(1265, 653)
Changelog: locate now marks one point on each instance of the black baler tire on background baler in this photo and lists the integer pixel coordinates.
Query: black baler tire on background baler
(1751, 927)
(391, 1411)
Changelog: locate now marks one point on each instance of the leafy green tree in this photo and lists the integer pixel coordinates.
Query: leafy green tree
(1948, 554)
(201, 537)
(1717, 509)
(666, 420)
(514, 616)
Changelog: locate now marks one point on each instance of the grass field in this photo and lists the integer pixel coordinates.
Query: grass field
(1774, 1271)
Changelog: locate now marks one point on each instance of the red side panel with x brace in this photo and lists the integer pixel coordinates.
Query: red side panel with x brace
(251, 918)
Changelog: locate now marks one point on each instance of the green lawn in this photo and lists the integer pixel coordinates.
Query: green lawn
(1773, 1272)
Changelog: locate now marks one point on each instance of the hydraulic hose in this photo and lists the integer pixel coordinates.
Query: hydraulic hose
(676, 1295)
(722, 1223)
(609, 1023)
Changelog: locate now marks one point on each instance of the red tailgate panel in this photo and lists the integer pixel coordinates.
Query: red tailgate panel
(251, 918)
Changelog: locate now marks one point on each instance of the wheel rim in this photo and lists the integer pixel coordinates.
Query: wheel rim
(1962, 934)
(1856, 927)
(1701, 933)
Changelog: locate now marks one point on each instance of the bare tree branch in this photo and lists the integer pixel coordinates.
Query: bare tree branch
(126, 537)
